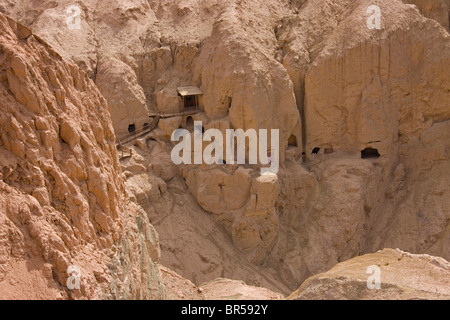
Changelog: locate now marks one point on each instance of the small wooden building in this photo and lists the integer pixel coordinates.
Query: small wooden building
(190, 96)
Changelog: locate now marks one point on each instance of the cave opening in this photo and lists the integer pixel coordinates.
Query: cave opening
(190, 102)
(292, 142)
(315, 150)
(131, 128)
(370, 153)
(190, 124)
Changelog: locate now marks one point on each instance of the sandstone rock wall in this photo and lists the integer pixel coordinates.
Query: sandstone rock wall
(438, 10)
(203, 240)
(62, 194)
(399, 90)
(167, 44)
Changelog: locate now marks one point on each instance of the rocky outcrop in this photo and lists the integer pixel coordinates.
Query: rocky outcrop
(400, 95)
(162, 45)
(62, 197)
(400, 276)
(179, 288)
(244, 203)
(193, 243)
(126, 100)
(438, 10)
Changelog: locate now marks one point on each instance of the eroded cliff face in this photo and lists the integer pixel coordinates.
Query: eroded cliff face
(438, 10)
(62, 197)
(312, 69)
(384, 89)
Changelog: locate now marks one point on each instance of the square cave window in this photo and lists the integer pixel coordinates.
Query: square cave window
(370, 153)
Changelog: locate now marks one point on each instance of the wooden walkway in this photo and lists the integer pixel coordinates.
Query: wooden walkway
(147, 129)
(138, 133)
(170, 115)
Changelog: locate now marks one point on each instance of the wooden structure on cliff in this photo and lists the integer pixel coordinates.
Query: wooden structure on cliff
(190, 96)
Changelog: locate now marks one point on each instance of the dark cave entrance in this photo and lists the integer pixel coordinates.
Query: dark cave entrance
(292, 142)
(190, 124)
(190, 102)
(370, 153)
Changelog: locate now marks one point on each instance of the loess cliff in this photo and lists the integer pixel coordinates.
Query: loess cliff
(62, 197)
(364, 122)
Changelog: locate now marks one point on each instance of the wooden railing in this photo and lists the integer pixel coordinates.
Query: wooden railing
(146, 129)
(138, 133)
(187, 111)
